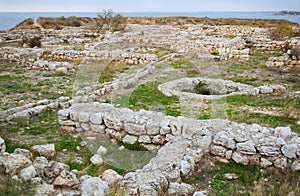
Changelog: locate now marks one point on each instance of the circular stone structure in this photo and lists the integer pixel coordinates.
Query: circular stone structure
(217, 88)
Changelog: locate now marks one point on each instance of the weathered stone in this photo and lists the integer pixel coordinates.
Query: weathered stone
(246, 148)
(102, 150)
(85, 126)
(159, 139)
(64, 114)
(280, 162)
(231, 176)
(40, 163)
(185, 167)
(295, 165)
(289, 150)
(2, 145)
(45, 190)
(130, 139)
(239, 158)
(84, 117)
(200, 193)
(66, 180)
(15, 162)
(113, 122)
(96, 119)
(47, 150)
(135, 129)
(53, 170)
(98, 128)
(180, 189)
(269, 151)
(24, 152)
(152, 128)
(265, 90)
(28, 173)
(285, 133)
(111, 177)
(280, 141)
(144, 139)
(222, 138)
(218, 150)
(94, 186)
(96, 159)
(265, 163)
(228, 154)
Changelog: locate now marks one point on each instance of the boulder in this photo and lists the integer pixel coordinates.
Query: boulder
(180, 189)
(246, 147)
(66, 180)
(128, 139)
(40, 163)
(222, 138)
(15, 162)
(96, 159)
(28, 173)
(96, 119)
(239, 158)
(94, 186)
(45, 190)
(111, 177)
(47, 150)
(24, 152)
(289, 150)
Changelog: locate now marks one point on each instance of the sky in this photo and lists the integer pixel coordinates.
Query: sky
(146, 5)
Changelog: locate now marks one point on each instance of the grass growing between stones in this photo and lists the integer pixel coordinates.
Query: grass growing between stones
(249, 180)
(10, 187)
(148, 97)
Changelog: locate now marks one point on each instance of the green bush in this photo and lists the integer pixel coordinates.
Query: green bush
(202, 88)
(281, 32)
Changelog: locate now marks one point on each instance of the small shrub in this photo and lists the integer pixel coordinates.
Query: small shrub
(31, 42)
(281, 32)
(59, 73)
(202, 88)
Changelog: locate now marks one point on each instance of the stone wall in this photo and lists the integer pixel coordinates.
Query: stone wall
(246, 144)
(283, 61)
(29, 109)
(217, 87)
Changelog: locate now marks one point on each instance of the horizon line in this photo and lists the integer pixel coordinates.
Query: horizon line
(140, 11)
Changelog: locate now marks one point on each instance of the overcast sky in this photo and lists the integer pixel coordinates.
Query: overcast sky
(146, 5)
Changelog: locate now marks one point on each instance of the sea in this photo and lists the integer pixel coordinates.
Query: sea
(10, 19)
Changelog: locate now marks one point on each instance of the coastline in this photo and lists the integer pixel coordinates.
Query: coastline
(10, 19)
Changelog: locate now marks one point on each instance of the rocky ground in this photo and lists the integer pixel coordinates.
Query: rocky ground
(73, 119)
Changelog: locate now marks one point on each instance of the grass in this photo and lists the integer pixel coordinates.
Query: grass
(11, 44)
(181, 63)
(252, 180)
(10, 187)
(148, 97)
(18, 83)
(111, 70)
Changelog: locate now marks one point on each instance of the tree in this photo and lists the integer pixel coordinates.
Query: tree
(106, 21)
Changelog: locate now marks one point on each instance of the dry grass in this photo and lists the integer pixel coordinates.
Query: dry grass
(90, 23)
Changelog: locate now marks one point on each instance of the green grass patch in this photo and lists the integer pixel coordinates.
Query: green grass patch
(265, 101)
(148, 97)
(111, 70)
(181, 63)
(136, 146)
(67, 143)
